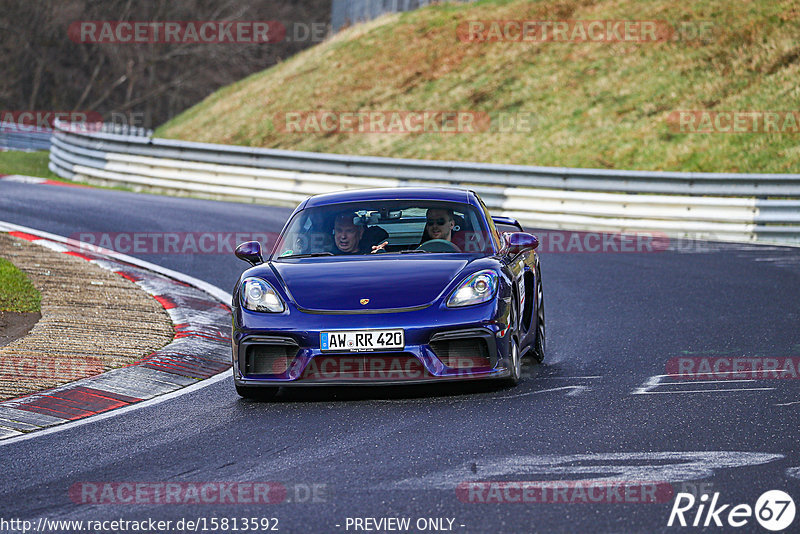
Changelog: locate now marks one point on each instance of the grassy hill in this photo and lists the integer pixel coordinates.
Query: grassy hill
(595, 104)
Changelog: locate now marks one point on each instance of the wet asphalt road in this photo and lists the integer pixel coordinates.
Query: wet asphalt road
(595, 408)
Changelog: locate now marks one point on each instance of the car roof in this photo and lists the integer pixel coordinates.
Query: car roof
(447, 194)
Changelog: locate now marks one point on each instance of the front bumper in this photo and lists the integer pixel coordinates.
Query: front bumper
(440, 345)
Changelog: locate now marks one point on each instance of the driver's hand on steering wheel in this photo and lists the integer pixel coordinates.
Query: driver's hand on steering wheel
(379, 248)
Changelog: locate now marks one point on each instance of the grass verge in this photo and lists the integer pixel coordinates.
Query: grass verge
(593, 104)
(17, 294)
(27, 164)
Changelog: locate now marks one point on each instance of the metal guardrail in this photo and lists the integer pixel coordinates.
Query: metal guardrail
(720, 206)
(346, 12)
(22, 137)
(25, 137)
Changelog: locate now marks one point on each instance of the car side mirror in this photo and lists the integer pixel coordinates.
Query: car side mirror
(517, 242)
(250, 251)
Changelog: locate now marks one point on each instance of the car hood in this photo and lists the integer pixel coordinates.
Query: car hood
(340, 284)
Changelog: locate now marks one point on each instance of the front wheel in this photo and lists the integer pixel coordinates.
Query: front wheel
(257, 393)
(515, 363)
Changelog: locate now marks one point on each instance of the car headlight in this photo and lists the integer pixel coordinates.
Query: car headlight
(258, 295)
(480, 287)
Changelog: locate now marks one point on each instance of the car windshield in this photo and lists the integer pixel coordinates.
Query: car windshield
(388, 226)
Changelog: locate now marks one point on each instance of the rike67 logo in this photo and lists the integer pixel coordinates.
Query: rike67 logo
(774, 510)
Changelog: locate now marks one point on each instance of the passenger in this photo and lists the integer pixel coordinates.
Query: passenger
(347, 235)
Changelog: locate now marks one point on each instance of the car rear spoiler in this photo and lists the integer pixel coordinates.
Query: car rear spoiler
(509, 221)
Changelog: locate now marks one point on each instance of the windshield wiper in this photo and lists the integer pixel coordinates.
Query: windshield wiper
(415, 251)
(309, 255)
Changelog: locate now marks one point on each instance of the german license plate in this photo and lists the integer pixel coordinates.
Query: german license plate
(361, 340)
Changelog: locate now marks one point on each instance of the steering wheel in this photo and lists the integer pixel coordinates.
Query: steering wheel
(439, 245)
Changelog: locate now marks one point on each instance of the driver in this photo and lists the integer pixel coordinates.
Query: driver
(439, 224)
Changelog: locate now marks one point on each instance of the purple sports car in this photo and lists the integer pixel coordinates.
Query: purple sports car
(388, 286)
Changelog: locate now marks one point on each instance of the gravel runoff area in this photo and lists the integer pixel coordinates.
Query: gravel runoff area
(92, 320)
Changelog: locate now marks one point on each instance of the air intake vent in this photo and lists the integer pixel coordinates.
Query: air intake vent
(464, 353)
(268, 359)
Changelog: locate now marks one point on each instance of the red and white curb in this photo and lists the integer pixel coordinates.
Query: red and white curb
(200, 349)
(21, 178)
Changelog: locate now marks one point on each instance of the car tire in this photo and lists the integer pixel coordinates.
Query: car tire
(540, 344)
(256, 393)
(515, 365)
